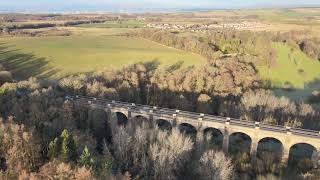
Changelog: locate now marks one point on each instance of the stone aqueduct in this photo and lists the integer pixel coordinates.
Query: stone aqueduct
(288, 137)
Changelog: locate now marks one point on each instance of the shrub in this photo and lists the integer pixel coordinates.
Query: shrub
(5, 76)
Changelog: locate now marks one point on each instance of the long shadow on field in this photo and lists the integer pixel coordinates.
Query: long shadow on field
(304, 94)
(24, 65)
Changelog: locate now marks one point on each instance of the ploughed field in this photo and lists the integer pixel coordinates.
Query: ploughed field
(56, 57)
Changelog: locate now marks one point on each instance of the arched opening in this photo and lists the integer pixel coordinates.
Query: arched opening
(3, 166)
(269, 153)
(122, 119)
(213, 138)
(189, 130)
(142, 121)
(164, 125)
(239, 148)
(239, 143)
(300, 157)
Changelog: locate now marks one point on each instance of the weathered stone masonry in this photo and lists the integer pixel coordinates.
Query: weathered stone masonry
(227, 126)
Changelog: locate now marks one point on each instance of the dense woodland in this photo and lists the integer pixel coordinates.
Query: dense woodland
(220, 43)
(216, 44)
(44, 136)
(62, 141)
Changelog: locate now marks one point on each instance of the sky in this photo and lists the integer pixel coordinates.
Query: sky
(107, 5)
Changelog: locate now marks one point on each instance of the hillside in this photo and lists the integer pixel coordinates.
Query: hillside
(294, 70)
(292, 67)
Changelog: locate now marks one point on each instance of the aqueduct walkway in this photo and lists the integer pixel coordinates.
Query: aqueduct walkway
(227, 126)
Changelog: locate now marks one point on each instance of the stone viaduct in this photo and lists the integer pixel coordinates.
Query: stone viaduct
(288, 137)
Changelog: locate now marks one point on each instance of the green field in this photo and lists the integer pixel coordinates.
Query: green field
(294, 68)
(57, 57)
(115, 24)
(271, 14)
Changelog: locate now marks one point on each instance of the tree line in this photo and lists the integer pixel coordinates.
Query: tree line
(18, 28)
(301, 40)
(256, 47)
(206, 89)
(216, 44)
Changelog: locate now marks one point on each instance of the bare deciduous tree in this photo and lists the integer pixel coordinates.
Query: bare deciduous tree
(169, 153)
(215, 166)
(122, 146)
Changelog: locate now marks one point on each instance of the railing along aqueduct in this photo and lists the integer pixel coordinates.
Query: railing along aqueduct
(257, 132)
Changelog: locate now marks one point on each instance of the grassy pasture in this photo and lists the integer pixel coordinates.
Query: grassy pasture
(97, 31)
(295, 68)
(57, 57)
(292, 66)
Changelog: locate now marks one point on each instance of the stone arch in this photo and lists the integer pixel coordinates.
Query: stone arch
(188, 129)
(213, 138)
(239, 142)
(163, 124)
(270, 149)
(122, 119)
(142, 120)
(141, 117)
(300, 155)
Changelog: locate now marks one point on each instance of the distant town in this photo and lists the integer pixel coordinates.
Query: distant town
(201, 27)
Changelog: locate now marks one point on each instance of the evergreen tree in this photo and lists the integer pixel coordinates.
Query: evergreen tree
(85, 158)
(68, 147)
(106, 158)
(54, 148)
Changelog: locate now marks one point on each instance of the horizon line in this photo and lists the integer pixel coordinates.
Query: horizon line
(65, 10)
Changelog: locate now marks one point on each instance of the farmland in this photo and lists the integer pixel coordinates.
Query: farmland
(78, 54)
(115, 24)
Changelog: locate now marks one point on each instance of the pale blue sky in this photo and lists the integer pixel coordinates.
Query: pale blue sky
(144, 4)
